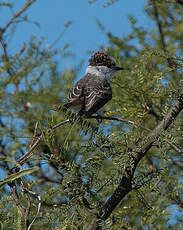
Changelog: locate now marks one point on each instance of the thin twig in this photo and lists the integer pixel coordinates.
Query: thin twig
(70, 130)
(48, 179)
(17, 15)
(6, 58)
(28, 206)
(3, 44)
(159, 24)
(60, 124)
(15, 196)
(170, 61)
(110, 179)
(121, 120)
(38, 207)
(175, 147)
(35, 134)
(29, 153)
(2, 30)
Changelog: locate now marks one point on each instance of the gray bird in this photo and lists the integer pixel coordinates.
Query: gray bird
(93, 91)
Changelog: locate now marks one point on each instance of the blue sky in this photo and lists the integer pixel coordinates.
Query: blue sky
(84, 34)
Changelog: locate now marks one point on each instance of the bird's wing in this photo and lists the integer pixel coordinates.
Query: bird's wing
(97, 95)
(90, 93)
(76, 96)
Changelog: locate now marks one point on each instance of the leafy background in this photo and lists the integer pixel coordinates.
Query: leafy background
(79, 168)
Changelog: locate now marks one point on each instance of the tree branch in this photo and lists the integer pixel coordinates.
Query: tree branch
(3, 44)
(15, 196)
(175, 147)
(29, 153)
(17, 15)
(170, 61)
(28, 203)
(159, 24)
(2, 30)
(6, 58)
(121, 120)
(136, 155)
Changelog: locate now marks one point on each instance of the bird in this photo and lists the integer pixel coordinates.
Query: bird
(93, 91)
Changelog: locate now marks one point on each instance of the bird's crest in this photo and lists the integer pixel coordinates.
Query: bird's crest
(100, 58)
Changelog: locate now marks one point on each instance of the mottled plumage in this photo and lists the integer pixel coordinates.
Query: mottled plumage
(89, 99)
(93, 91)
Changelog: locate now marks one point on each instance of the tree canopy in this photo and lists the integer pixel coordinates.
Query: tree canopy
(63, 171)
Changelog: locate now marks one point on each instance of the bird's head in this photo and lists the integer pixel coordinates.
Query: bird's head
(102, 65)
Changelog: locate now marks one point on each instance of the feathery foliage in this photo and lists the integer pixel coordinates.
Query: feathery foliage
(81, 163)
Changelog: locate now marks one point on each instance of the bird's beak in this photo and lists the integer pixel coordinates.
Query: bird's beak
(117, 68)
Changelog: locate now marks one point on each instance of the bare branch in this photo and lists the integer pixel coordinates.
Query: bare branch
(159, 24)
(60, 124)
(170, 61)
(2, 30)
(17, 15)
(29, 153)
(15, 196)
(6, 58)
(28, 206)
(175, 147)
(38, 207)
(3, 44)
(35, 134)
(121, 120)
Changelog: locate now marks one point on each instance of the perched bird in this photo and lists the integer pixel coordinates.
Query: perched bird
(93, 91)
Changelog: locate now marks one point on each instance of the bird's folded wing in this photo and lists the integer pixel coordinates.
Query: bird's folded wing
(97, 96)
(76, 95)
(91, 93)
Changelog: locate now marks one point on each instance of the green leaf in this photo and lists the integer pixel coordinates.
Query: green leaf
(16, 176)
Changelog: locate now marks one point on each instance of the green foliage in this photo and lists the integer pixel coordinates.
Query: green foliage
(81, 162)
(15, 176)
